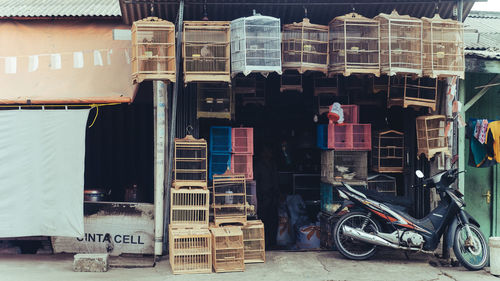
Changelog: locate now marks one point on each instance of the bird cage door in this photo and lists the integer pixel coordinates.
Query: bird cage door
(215, 100)
(206, 51)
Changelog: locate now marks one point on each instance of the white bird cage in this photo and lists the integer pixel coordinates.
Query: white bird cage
(305, 46)
(443, 47)
(400, 44)
(153, 50)
(206, 51)
(255, 45)
(354, 45)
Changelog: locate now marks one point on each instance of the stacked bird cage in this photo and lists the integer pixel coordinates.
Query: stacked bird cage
(229, 198)
(400, 44)
(220, 150)
(344, 166)
(305, 47)
(388, 152)
(242, 149)
(253, 239)
(354, 45)
(228, 249)
(190, 162)
(215, 100)
(407, 91)
(255, 45)
(206, 51)
(443, 47)
(153, 50)
(189, 207)
(431, 135)
(190, 250)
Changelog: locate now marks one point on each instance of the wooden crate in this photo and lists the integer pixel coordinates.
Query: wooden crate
(189, 207)
(153, 50)
(206, 51)
(254, 241)
(305, 46)
(229, 198)
(344, 166)
(228, 249)
(190, 250)
(400, 44)
(354, 45)
(443, 41)
(388, 152)
(431, 135)
(406, 91)
(215, 100)
(190, 162)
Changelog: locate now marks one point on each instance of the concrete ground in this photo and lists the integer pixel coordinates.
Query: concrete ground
(322, 265)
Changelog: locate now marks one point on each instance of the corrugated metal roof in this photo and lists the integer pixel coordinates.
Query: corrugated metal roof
(483, 54)
(482, 34)
(59, 8)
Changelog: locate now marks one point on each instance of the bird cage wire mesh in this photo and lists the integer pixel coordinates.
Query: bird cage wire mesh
(354, 45)
(229, 198)
(255, 45)
(305, 46)
(215, 100)
(388, 152)
(190, 162)
(431, 135)
(407, 91)
(153, 50)
(400, 44)
(190, 250)
(443, 47)
(206, 51)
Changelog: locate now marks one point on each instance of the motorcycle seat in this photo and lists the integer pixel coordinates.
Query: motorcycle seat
(399, 203)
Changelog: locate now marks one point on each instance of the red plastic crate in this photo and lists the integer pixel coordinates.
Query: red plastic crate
(351, 113)
(242, 139)
(242, 164)
(361, 137)
(349, 136)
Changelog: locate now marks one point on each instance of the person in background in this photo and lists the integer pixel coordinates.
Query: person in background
(266, 177)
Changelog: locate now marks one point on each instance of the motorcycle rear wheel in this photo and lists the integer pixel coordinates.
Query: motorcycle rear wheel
(350, 247)
(473, 253)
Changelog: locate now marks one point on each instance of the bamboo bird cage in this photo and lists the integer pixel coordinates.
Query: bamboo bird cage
(254, 241)
(388, 152)
(431, 135)
(249, 89)
(229, 198)
(190, 250)
(206, 51)
(153, 50)
(215, 100)
(400, 44)
(354, 45)
(190, 162)
(407, 91)
(305, 46)
(443, 47)
(189, 207)
(228, 250)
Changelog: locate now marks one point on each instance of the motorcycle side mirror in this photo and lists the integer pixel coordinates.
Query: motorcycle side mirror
(419, 174)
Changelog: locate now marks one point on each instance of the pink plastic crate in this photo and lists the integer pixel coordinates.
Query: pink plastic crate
(349, 136)
(242, 139)
(351, 113)
(361, 137)
(242, 164)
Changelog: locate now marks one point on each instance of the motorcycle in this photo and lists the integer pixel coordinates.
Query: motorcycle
(358, 234)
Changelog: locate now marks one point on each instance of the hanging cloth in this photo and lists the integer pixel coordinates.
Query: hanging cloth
(493, 141)
(480, 130)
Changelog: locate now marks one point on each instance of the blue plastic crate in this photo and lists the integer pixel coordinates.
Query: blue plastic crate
(322, 136)
(220, 139)
(219, 163)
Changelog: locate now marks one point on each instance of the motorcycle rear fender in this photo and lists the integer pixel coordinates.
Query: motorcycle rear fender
(452, 228)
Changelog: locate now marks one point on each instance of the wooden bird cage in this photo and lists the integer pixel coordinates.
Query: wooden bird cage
(254, 241)
(291, 81)
(382, 184)
(190, 249)
(326, 86)
(388, 152)
(153, 50)
(215, 100)
(250, 89)
(431, 135)
(255, 45)
(190, 162)
(344, 166)
(354, 45)
(379, 84)
(407, 91)
(443, 47)
(305, 46)
(229, 198)
(206, 51)
(400, 44)
(189, 207)
(228, 249)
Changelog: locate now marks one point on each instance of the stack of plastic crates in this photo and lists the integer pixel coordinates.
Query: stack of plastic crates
(242, 148)
(220, 150)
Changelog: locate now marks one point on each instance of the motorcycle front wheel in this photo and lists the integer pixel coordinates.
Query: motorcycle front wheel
(472, 252)
(350, 247)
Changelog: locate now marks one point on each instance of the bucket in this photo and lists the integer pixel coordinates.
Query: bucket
(494, 243)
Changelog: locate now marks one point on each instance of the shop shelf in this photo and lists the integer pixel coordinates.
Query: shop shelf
(190, 250)
(242, 140)
(220, 139)
(242, 164)
(254, 243)
(219, 163)
(228, 249)
(189, 207)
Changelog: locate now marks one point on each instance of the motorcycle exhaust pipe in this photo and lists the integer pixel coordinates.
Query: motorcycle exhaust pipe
(367, 237)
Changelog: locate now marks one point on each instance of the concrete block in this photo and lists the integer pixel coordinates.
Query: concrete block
(90, 262)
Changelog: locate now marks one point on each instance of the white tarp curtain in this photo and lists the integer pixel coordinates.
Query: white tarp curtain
(42, 161)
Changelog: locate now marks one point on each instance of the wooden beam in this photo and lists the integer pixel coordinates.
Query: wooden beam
(67, 100)
(481, 93)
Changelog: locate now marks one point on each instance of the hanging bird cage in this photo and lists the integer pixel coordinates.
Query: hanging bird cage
(326, 86)
(190, 162)
(255, 45)
(406, 91)
(443, 47)
(354, 45)
(400, 44)
(379, 84)
(431, 136)
(251, 89)
(206, 51)
(229, 198)
(388, 152)
(215, 100)
(305, 46)
(291, 81)
(153, 50)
